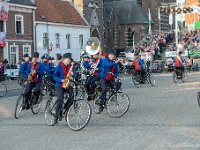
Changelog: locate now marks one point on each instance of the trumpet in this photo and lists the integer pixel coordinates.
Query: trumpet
(67, 80)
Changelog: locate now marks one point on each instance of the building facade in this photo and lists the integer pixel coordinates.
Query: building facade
(60, 28)
(18, 29)
(93, 12)
(191, 18)
(126, 23)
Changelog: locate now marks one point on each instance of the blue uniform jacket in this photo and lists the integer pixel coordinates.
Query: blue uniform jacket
(106, 67)
(23, 69)
(99, 66)
(2, 69)
(49, 69)
(59, 75)
(44, 64)
(39, 71)
(86, 65)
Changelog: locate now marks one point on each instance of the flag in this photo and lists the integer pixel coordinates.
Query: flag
(4, 8)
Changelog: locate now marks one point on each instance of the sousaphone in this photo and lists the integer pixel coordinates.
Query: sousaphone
(93, 46)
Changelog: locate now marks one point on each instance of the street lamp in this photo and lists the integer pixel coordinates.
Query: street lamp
(47, 35)
(175, 8)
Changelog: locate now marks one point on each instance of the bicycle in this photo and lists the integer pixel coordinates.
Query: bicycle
(34, 103)
(179, 74)
(3, 87)
(76, 117)
(117, 102)
(138, 81)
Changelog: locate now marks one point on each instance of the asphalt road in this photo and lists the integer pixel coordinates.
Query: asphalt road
(163, 117)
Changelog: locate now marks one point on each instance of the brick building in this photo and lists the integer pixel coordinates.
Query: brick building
(122, 18)
(19, 30)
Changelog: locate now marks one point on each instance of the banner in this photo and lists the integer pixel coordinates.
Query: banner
(4, 8)
(2, 39)
(173, 54)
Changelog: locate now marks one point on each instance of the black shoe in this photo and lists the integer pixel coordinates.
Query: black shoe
(55, 120)
(27, 106)
(101, 107)
(89, 98)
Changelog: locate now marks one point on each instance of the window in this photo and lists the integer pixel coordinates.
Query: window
(81, 41)
(19, 24)
(45, 40)
(129, 35)
(1, 26)
(27, 49)
(57, 35)
(13, 54)
(140, 2)
(68, 38)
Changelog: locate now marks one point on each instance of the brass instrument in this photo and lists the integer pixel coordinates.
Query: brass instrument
(68, 79)
(30, 77)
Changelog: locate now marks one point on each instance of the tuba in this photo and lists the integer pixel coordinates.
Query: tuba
(68, 79)
(93, 46)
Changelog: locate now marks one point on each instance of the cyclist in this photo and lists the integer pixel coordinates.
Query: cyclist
(35, 71)
(108, 69)
(60, 73)
(23, 68)
(86, 63)
(2, 70)
(49, 69)
(138, 64)
(44, 63)
(96, 70)
(179, 60)
(58, 59)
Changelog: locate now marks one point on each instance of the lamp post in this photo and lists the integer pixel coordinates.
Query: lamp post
(133, 34)
(47, 35)
(175, 8)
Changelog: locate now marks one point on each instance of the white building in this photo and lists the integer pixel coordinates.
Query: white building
(60, 28)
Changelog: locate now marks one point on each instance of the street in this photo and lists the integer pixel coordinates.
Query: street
(166, 116)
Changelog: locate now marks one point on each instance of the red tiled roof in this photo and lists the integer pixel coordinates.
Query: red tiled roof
(58, 11)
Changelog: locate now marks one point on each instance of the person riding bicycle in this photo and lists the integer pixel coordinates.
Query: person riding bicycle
(2, 70)
(179, 60)
(86, 63)
(60, 73)
(109, 71)
(58, 59)
(44, 62)
(96, 70)
(138, 64)
(35, 71)
(23, 68)
(49, 69)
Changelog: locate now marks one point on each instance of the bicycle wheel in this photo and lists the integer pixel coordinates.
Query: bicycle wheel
(184, 77)
(3, 89)
(118, 105)
(19, 106)
(50, 111)
(78, 115)
(36, 104)
(80, 93)
(152, 80)
(136, 83)
(175, 77)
